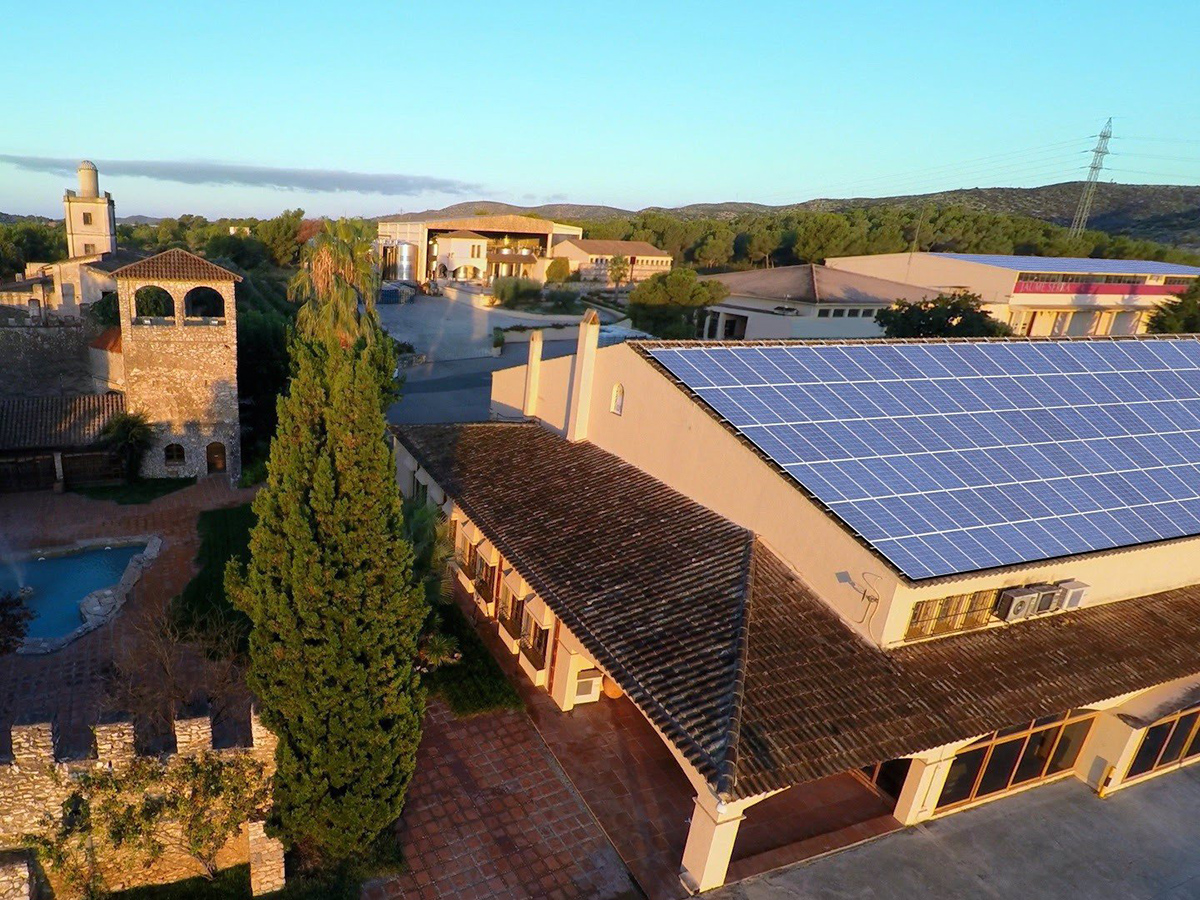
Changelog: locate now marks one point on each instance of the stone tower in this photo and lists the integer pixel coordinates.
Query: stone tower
(91, 217)
(179, 343)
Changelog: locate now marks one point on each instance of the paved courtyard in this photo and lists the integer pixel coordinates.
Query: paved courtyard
(70, 684)
(1057, 841)
(491, 815)
(446, 329)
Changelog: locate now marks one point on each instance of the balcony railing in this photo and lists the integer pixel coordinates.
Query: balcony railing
(536, 658)
(511, 626)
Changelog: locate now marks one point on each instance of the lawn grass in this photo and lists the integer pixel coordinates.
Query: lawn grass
(234, 884)
(230, 884)
(141, 491)
(203, 606)
(475, 683)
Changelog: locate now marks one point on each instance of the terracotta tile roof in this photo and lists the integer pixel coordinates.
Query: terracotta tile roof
(756, 681)
(615, 248)
(109, 339)
(466, 235)
(175, 265)
(58, 423)
(123, 256)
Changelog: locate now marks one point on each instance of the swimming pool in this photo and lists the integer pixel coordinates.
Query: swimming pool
(59, 583)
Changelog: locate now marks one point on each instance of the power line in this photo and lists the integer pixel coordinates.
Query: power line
(1089, 188)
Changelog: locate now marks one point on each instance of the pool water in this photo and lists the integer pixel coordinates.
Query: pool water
(60, 582)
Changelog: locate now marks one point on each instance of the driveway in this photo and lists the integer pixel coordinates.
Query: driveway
(459, 390)
(1057, 841)
(446, 329)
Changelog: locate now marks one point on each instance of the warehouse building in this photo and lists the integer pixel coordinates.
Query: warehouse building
(1041, 295)
(942, 572)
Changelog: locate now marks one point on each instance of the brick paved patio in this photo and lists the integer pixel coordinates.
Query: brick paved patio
(491, 815)
(636, 790)
(69, 684)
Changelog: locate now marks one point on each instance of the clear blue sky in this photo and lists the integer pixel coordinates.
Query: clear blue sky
(369, 108)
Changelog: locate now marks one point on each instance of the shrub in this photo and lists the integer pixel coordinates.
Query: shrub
(511, 292)
(562, 300)
(558, 271)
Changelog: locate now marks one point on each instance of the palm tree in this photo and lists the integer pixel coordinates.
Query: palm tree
(129, 435)
(337, 273)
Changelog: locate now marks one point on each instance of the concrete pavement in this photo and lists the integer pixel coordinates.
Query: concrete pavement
(1056, 841)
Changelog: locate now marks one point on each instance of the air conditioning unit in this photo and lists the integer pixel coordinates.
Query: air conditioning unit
(1048, 600)
(1017, 603)
(1073, 594)
(587, 686)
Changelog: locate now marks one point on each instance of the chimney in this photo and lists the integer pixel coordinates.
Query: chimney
(533, 374)
(581, 377)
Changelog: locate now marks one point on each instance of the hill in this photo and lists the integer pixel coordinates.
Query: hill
(1169, 214)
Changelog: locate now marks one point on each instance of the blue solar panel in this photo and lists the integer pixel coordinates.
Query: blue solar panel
(1081, 264)
(956, 457)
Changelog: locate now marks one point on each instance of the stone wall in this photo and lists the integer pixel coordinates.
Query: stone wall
(35, 783)
(15, 880)
(45, 360)
(182, 373)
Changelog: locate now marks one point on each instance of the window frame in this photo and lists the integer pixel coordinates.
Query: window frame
(1006, 736)
(168, 454)
(1192, 742)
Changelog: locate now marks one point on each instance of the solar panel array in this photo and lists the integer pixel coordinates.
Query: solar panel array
(952, 457)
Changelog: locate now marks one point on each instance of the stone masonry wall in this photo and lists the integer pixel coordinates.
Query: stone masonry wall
(182, 373)
(44, 360)
(15, 881)
(35, 783)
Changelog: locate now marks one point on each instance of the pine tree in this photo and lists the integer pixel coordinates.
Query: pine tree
(336, 613)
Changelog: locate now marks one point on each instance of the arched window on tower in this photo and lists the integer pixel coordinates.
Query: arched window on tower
(173, 455)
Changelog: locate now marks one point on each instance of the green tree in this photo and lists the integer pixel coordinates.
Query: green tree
(668, 304)
(15, 617)
(760, 244)
(281, 235)
(1178, 316)
(946, 315)
(129, 436)
(558, 271)
(618, 271)
(716, 249)
(335, 609)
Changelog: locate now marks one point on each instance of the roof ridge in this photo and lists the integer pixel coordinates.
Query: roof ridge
(728, 766)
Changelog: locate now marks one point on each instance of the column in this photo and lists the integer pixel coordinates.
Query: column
(709, 845)
(58, 469)
(918, 798)
(720, 335)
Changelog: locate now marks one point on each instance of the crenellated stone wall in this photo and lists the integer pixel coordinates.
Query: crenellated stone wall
(36, 783)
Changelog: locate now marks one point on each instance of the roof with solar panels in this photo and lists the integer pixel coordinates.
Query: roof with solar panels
(952, 457)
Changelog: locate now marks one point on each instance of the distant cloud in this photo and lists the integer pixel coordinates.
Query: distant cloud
(323, 180)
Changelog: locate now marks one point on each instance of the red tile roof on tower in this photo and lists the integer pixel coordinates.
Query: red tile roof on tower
(175, 265)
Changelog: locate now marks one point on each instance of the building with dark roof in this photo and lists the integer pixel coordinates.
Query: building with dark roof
(591, 258)
(959, 569)
(420, 250)
(807, 301)
(64, 289)
(56, 440)
(1041, 295)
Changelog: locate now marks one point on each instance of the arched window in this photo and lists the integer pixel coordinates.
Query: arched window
(173, 454)
(203, 303)
(618, 399)
(153, 302)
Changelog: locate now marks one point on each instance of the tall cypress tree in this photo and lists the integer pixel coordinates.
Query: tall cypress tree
(336, 615)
